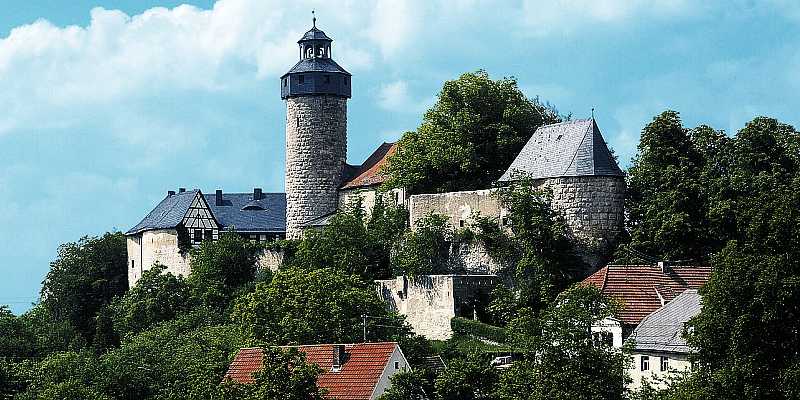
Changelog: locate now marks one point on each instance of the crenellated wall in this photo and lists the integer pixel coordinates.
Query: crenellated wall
(316, 148)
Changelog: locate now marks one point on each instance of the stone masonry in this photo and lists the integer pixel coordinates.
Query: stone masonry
(316, 148)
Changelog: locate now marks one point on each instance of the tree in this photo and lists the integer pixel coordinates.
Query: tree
(353, 243)
(469, 137)
(424, 250)
(285, 375)
(469, 378)
(309, 306)
(220, 269)
(84, 278)
(566, 362)
(666, 201)
(157, 297)
(405, 385)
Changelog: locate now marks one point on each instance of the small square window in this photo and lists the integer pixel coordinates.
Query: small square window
(664, 363)
(645, 363)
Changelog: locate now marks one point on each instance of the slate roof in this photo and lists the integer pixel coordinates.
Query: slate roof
(370, 173)
(316, 64)
(363, 366)
(645, 288)
(231, 214)
(662, 331)
(314, 34)
(320, 221)
(572, 148)
(167, 214)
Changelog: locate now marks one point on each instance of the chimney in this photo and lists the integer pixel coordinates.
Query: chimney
(257, 194)
(170, 193)
(181, 190)
(338, 357)
(219, 197)
(663, 266)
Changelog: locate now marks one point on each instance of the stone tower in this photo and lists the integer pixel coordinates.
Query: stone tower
(316, 90)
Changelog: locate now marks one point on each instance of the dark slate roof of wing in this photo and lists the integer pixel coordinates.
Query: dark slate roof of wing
(167, 214)
(272, 218)
(231, 214)
(319, 222)
(662, 330)
(317, 64)
(572, 148)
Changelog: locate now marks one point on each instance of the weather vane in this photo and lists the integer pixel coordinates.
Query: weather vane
(313, 19)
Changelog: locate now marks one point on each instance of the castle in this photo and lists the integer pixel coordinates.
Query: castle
(569, 158)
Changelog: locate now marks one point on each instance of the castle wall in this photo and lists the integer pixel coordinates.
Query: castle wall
(316, 148)
(149, 247)
(593, 207)
(368, 197)
(429, 302)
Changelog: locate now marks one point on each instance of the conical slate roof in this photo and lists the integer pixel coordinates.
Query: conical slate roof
(314, 34)
(572, 148)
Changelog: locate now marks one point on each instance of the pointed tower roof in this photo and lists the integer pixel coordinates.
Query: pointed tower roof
(572, 148)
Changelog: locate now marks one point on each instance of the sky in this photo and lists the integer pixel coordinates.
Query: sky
(106, 105)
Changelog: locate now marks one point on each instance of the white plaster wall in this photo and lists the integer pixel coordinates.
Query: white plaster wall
(389, 370)
(426, 301)
(134, 247)
(677, 363)
(159, 246)
(611, 325)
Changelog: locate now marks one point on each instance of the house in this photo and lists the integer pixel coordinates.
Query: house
(660, 348)
(359, 371)
(184, 219)
(642, 289)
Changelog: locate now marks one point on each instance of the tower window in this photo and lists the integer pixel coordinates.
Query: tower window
(285, 81)
(345, 81)
(297, 122)
(301, 79)
(133, 263)
(327, 79)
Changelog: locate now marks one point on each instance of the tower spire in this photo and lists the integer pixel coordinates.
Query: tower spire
(313, 19)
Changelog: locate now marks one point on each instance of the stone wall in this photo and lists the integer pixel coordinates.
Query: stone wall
(147, 248)
(316, 148)
(368, 195)
(593, 207)
(429, 302)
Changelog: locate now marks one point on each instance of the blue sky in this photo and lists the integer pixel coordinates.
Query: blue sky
(106, 105)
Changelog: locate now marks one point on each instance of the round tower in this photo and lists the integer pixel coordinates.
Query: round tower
(316, 90)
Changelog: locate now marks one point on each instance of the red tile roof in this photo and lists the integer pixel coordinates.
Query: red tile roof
(356, 380)
(371, 172)
(645, 288)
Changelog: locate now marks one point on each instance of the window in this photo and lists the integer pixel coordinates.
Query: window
(396, 365)
(396, 198)
(327, 79)
(346, 80)
(645, 363)
(301, 79)
(461, 223)
(504, 221)
(208, 234)
(198, 235)
(285, 81)
(133, 263)
(297, 122)
(665, 363)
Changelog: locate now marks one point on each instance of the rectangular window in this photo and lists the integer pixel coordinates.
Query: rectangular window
(208, 234)
(396, 365)
(285, 82)
(665, 363)
(327, 79)
(461, 223)
(645, 363)
(198, 235)
(133, 263)
(301, 79)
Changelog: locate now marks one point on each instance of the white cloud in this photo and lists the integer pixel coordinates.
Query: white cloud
(395, 96)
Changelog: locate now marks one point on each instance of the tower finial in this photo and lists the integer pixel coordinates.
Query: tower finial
(313, 19)
(592, 112)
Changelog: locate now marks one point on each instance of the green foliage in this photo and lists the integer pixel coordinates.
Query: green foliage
(405, 385)
(221, 269)
(426, 249)
(352, 243)
(565, 362)
(668, 189)
(309, 306)
(285, 375)
(157, 297)
(478, 330)
(469, 378)
(15, 339)
(84, 278)
(469, 137)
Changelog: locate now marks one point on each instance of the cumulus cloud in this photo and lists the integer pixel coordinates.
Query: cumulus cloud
(395, 96)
